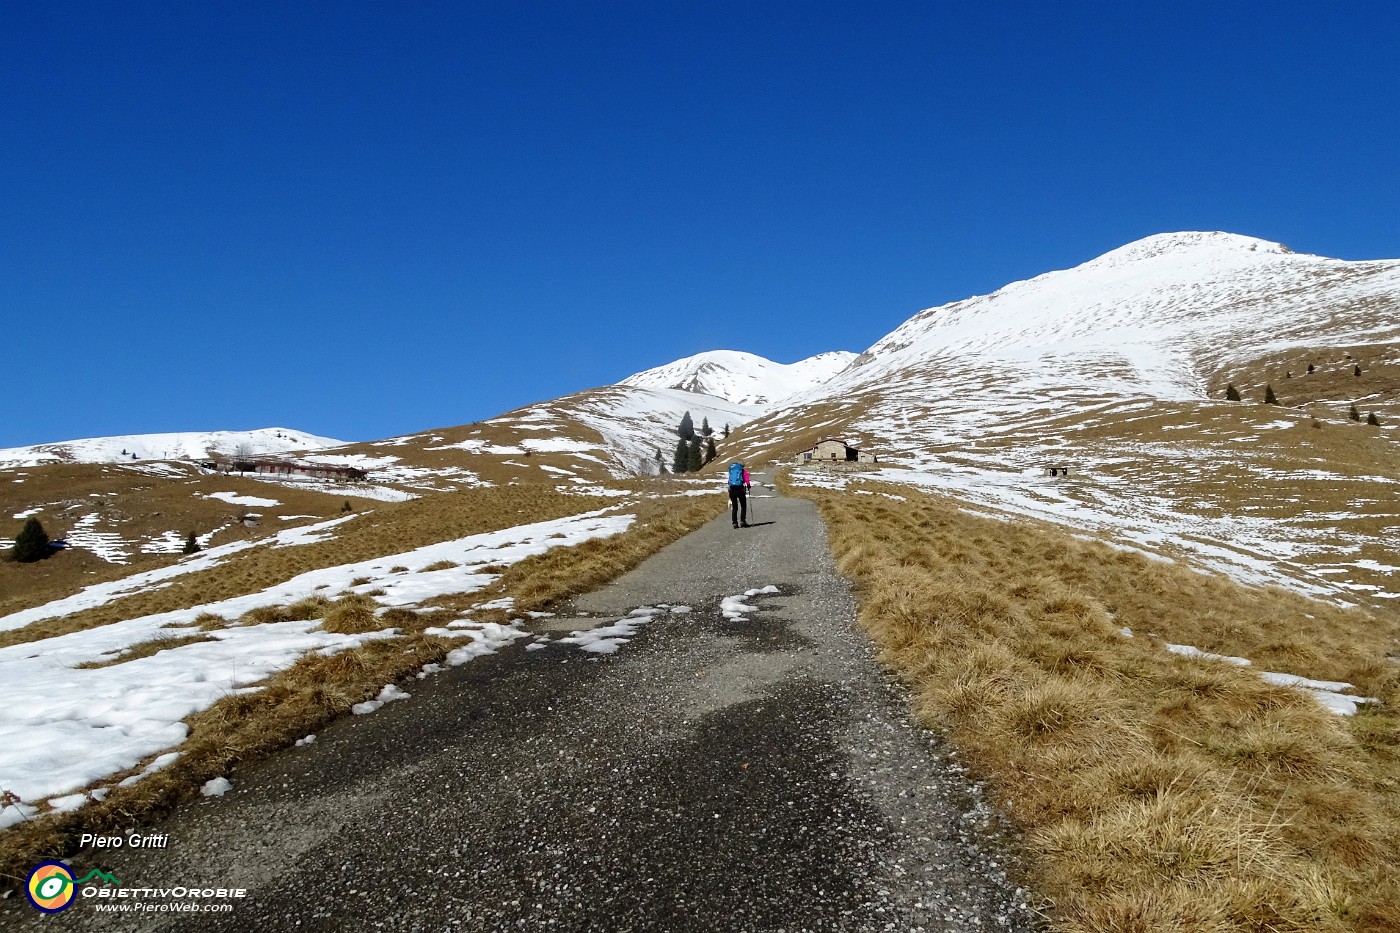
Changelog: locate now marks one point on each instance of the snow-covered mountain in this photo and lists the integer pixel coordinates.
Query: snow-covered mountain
(1159, 318)
(1117, 368)
(742, 378)
(1146, 316)
(190, 445)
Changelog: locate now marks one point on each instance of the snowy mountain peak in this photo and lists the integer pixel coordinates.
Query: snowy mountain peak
(1188, 242)
(742, 378)
(1150, 317)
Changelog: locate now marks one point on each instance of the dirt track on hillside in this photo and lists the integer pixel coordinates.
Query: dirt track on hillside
(712, 774)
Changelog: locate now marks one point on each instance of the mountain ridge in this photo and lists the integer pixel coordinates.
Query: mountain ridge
(175, 445)
(741, 377)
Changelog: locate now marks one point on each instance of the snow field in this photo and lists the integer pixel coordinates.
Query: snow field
(101, 593)
(63, 727)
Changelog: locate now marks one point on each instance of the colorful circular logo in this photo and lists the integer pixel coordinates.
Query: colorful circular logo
(50, 887)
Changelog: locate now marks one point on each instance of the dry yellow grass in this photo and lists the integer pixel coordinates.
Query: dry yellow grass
(317, 689)
(138, 506)
(1158, 793)
(144, 650)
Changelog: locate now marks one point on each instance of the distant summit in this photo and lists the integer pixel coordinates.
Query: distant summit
(188, 445)
(742, 378)
(1188, 242)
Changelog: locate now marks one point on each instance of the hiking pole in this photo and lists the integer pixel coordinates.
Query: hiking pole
(752, 514)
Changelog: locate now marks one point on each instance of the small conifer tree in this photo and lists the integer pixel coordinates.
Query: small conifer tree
(726, 429)
(1232, 394)
(1373, 420)
(696, 458)
(1269, 397)
(1311, 369)
(687, 427)
(1355, 415)
(32, 542)
(1357, 370)
(680, 463)
(710, 452)
(705, 429)
(191, 544)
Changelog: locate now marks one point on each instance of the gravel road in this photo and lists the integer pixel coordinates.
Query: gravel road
(713, 774)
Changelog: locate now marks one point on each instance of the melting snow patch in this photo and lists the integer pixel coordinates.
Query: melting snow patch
(389, 694)
(159, 762)
(105, 544)
(556, 445)
(67, 804)
(608, 638)
(306, 740)
(17, 813)
(868, 492)
(23, 515)
(735, 609)
(488, 638)
(590, 490)
(1327, 692)
(233, 498)
(170, 542)
(216, 787)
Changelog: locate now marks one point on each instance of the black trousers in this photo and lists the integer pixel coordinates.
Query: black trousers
(739, 504)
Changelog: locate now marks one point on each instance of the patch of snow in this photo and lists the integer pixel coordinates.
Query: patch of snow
(107, 545)
(17, 813)
(168, 542)
(606, 639)
(487, 638)
(233, 498)
(389, 694)
(160, 761)
(736, 608)
(68, 803)
(1329, 693)
(216, 787)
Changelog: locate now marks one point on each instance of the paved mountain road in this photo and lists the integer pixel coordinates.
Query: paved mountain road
(711, 775)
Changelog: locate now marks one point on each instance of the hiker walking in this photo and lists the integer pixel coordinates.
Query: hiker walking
(738, 495)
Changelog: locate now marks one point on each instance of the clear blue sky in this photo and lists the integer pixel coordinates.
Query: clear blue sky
(362, 220)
